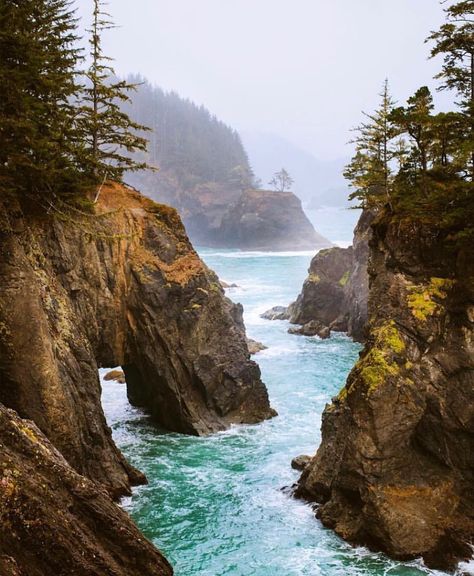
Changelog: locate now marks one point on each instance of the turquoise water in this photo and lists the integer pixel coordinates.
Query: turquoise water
(215, 506)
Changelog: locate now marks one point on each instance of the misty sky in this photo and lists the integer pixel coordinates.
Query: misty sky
(302, 69)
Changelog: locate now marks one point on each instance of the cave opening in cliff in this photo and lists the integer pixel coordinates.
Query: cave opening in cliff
(115, 396)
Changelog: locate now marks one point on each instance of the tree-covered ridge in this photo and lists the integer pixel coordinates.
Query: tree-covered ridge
(186, 139)
(418, 163)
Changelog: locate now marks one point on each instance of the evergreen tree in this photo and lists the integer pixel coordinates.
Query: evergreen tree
(110, 136)
(455, 42)
(448, 133)
(416, 120)
(369, 171)
(39, 155)
(190, 145)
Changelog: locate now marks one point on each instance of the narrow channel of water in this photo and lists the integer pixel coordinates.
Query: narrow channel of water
(215, 505)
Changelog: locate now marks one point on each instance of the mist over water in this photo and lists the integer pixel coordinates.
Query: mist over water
(335, 222)
(215, 505)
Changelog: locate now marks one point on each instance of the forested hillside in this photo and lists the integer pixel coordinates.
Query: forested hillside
(201, 165)
(186, 139)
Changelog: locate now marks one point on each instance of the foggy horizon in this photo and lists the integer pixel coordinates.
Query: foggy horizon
(303, 75)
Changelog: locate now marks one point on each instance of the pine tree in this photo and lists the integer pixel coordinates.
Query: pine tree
(369, 171)
(38, 60)
(455, 42)
(416, 120)
(110, 136)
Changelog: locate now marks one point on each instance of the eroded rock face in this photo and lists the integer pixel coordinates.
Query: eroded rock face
(395, 469)
(335, 293)
(54, 521)
(265, 220)
(124, 288)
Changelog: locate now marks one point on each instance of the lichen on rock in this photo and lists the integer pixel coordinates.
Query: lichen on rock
(424, 300)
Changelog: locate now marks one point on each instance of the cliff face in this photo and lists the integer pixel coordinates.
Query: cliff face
(201, 206)
(54, 521)
(121, 287)
(265, 220)
(334, 295)
(395, 468)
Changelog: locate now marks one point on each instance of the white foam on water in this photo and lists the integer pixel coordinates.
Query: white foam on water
(279, 350)
(467, 567)
(260, 254)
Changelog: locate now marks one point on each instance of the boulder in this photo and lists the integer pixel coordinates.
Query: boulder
(255, 347)
(300, 462)
(276, 313)
(116, 375)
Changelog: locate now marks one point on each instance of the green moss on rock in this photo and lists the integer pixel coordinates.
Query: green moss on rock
(378, 364)
(344, 279)
(423, 300)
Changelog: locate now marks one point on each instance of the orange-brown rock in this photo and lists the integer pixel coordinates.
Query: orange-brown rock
(120, 287)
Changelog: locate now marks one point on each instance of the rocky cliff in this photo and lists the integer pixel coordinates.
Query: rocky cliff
(122, 287)
(201, 205)
(265, 220)
(334, 295)
(395, 469)
(54, 521)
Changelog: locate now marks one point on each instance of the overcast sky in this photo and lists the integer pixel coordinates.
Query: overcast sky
(302, 69)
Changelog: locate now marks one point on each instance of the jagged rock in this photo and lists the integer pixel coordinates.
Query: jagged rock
(226, 285)
(116, 375)
(254, 346)
(312, 328)
(336, 290)
(54, 521)
(300, 462)
(276, 313)
(121, 287)
(394, 470)
(265, 220)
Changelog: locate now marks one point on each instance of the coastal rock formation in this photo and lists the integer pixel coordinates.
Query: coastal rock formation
(115, 375)
(265, 220)
(300, 462)
(255, 347)
(201, 206)
(311, 328)
(54, 521)
(120, 287)
(276, 313)
(334, 295)
(395, 469)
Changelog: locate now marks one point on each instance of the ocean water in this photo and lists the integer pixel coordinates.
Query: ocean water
(217, 505)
